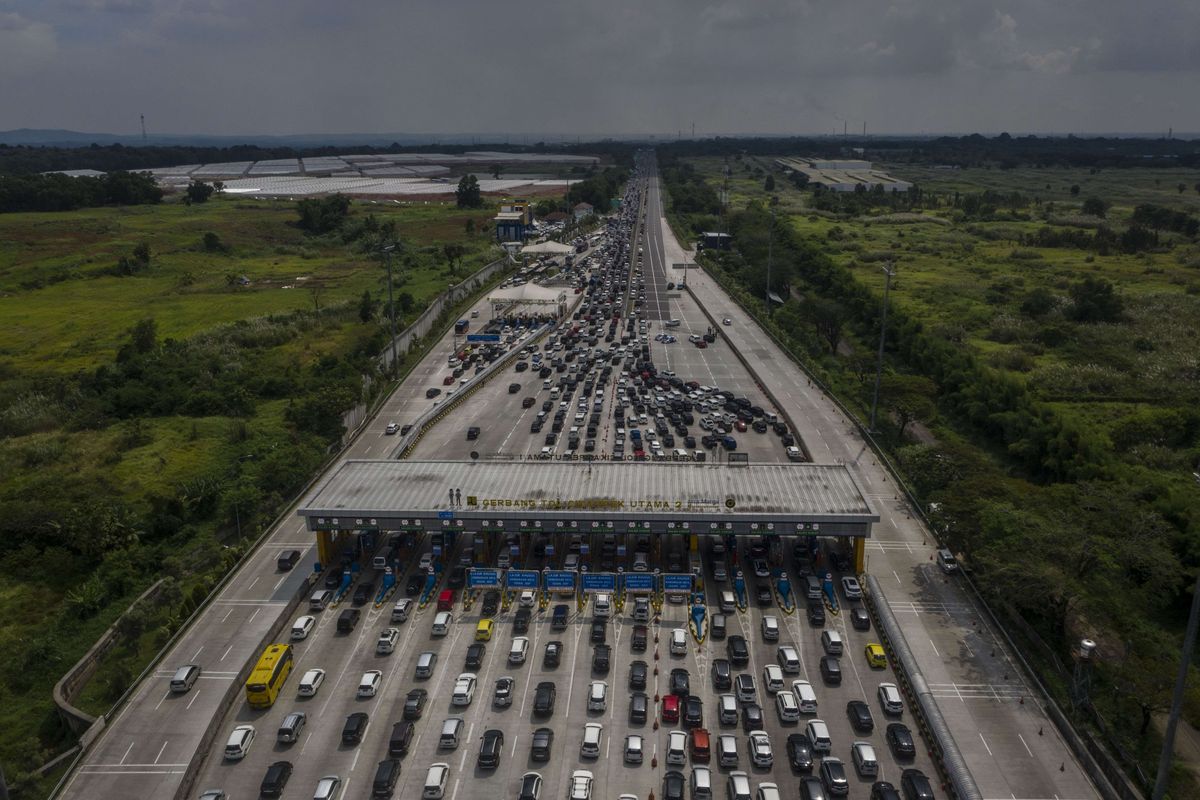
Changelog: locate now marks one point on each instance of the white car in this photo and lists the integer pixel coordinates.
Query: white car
(239, 742)
(850, 588)
(581, 785)
(633, 749)
(328, 788)
(392, 427)
(426, 562)
(597, 699)
(369, 684)
(760, 750)
(676, 748)
(727, 321)
(302, 627)
(678, 642)
(518, 650)
(890, 699)
(760, 569)
(311, 682)
(387, 641)
(571, 562)
(464, 689)
(773, 678)
(770, 628)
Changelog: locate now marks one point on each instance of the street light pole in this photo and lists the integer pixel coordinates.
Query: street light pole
(889, 271)
(770, 241)
(387, 251)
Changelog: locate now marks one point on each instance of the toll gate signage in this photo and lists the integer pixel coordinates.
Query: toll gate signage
(677, 583)
(560, 581)
(639, 582)
(522, 579)
(599, 582)
(483, 577)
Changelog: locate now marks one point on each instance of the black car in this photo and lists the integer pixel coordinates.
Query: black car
(599, 631)
(900, 740)
(638, 706)
(859, 714)
(432, 393)
(414, 703)
(401, 738)
(860, 620)
(275, 779)
(816, 613)
(722, 677)
(414, 585)
(475, 655)
(472, 433)
(490, 749)
(601, 656)
(752, 717)
(543, 740)
(833, 776)
(491, 602)
(799, 752)
(543, 698)
(673, 785)
(637, 675)
(356, 725)
(915, 785)
(717, 628)
(680, 682)
(333, 578)
(531, 786)
(831, 670)
(513, 388)
(638, 642)
(736, 648)
(364, 592)
(521, 620)
(882, 790)
(763, 595)
(693, 712)
(457, 578)
(553, 654)
(558, 619)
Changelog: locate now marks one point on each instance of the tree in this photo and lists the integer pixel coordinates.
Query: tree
(1182, 187)
(769, 184)
(469, 226)
(199, 192)
(1096, 300)
(496, 171)
(212, 242)
(144, 335)
(467, 194)
(323, 214)
(405, 302)
(141, 253)
(1037, 303)
(315, 290)
(1075, 190)
(453, 253)
(828, 317)
(908, 398)
(1095, 207)
(366, 306)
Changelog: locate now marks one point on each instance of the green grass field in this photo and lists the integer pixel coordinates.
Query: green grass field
(68, 315)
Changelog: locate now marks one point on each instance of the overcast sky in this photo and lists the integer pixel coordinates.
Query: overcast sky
(600, 67)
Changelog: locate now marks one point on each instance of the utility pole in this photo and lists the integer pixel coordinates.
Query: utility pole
(889, 271)
(1168, 749)
(770, 241)
(387, 254)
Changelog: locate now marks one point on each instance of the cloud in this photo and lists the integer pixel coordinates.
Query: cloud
(25, 45)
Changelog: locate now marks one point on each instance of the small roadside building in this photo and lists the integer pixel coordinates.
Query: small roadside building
(582, 210)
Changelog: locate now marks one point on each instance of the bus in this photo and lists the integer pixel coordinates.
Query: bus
(268, 676)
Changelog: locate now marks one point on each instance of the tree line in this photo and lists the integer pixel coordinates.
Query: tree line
(57, 192)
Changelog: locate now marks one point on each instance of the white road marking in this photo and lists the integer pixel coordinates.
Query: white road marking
(195, 694)
(282, 578)
(252, 616)
(227, 613)
(160, 752)
(251, 584)
(354, 763)
(197, 655)
(164, 697)
(126, 753)
(1026, 745)
(227, 649)
(985, 744)
(935, 650)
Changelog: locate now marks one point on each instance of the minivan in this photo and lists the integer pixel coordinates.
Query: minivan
(812, 587)
(602, 607)
(425, 664)
(435, 781)
(347, 620)
(239, 742)
(320, 599)
(788, 659)
(831, 640)
(728, 602)
(184, 677)
(275, 779)
(787, 708)
(401, 610)
(641, 609)
(727, 750)
(401, 738)
(441, 623)
(289, 729)
(831, 670)
(451, 729)
(806, 698)
(386, 775)
(727, 709)
(818, 734)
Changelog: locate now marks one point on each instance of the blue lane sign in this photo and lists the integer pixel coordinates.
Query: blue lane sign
(445, 515)
(560, 581)
(639, 582)
(483, 577)
(600, 582)
(483, 337)
(522, 580)
(677, 583)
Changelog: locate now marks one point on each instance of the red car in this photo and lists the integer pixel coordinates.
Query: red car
(448, 380)
(702, 344)
(741, 426)
(670, 710)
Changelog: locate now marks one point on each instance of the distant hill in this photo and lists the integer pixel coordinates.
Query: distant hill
(48, 137)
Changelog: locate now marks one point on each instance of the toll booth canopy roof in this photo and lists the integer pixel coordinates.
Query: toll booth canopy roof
(589, 490)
